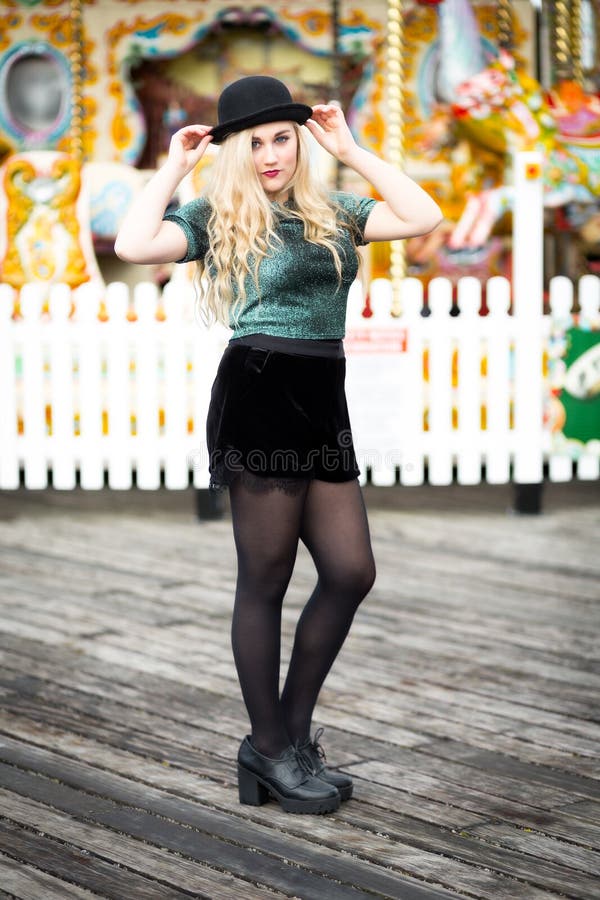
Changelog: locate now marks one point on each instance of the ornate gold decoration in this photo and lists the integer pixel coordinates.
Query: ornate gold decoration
(35, 229)
(505, 24)
(312, 21)
(8, 22)
(120, 130)
(576, 41)
(395, 79)
(560, 39)
(76, 129)
(60, 31)
(56, 26)
(565, 40)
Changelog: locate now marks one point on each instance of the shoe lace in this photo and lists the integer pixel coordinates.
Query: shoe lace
(303, 761)
(317, 746)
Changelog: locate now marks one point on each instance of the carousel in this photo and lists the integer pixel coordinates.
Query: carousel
(91, 92)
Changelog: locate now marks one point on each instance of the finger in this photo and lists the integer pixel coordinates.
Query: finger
(320, 117)
(321, 110)
(194, 129)
(313, 126)
(203, 144)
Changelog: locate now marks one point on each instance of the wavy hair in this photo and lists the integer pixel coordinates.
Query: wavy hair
(240, 227)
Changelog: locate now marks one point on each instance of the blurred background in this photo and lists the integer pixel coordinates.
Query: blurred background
(457, 92)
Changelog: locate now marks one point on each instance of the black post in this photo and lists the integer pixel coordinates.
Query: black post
(528, 498)
(209, 504)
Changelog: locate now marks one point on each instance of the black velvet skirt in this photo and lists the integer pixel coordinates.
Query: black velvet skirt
(278, 418)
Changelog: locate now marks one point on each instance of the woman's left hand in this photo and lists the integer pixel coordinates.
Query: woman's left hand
(329, 127)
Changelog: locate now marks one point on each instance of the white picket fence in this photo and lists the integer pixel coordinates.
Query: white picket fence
(122, 399)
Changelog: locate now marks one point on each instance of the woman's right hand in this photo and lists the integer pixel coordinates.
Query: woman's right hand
(188, 145)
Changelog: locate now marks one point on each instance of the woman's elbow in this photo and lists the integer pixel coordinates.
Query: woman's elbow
(124, 252)
(436, 220)
(431, 223)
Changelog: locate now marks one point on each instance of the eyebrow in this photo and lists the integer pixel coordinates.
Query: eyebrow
(255, 137)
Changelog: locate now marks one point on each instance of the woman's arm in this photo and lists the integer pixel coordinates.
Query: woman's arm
(406, 210)
(143, 236)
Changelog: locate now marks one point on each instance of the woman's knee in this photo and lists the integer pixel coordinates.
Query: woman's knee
(265, 579)
(355, 577)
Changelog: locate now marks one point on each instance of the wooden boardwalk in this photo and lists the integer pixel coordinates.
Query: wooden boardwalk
(465, 703)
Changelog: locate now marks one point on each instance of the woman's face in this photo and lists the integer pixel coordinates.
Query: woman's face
(274, 150)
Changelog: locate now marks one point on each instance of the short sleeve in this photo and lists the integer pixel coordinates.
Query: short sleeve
(192, 218)
(358, 209)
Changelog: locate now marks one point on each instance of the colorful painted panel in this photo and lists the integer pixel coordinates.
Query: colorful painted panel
(118, 36)
(44, 220)
(574, 409)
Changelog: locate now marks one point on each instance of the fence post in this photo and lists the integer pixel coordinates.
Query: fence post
(440, 382)
(9, 466)
(497, 460)
(118, 387)
(528, 311)
(29, 331)
(146, 334)
(412, 468)
(469, 380)
(61, 456)
(90, 333)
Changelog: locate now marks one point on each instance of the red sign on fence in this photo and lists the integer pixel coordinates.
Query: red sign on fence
(376, 340)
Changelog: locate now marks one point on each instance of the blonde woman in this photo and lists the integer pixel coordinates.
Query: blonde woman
(276, 254)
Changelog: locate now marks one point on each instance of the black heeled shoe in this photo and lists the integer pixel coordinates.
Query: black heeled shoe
(315, 755)
(288, 778)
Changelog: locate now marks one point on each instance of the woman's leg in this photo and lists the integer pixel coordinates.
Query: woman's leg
(266, 528)
(335, 530)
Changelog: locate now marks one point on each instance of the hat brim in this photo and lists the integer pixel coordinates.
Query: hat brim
(297, 112)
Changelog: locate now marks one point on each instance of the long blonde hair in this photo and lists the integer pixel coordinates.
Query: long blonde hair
(241, 224)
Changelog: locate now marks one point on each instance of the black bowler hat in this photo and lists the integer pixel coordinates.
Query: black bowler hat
(255, 100)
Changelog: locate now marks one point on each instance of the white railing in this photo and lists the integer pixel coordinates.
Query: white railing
(106, 399)
(451, 395)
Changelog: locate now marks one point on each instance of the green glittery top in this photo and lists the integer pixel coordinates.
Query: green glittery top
(298, 281)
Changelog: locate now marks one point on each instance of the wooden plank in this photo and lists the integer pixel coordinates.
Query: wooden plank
(477, 789)
(165, 763)
(188, 713)
(190, 830)
(465, 731)
(184, 714)
(28, 883)
(410, 832)
(20, 647)
(135, 855)
(539, 845)
(584, 809)
(560, 741)
(93, 874)
(391, 732)
(501, 764)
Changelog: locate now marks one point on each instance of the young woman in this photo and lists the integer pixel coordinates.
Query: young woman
(277, 254)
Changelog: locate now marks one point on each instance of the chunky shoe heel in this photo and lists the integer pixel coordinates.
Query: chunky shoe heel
(287, 778)
(252, 792)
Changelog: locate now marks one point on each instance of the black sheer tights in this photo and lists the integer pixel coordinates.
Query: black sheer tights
(331, 521)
